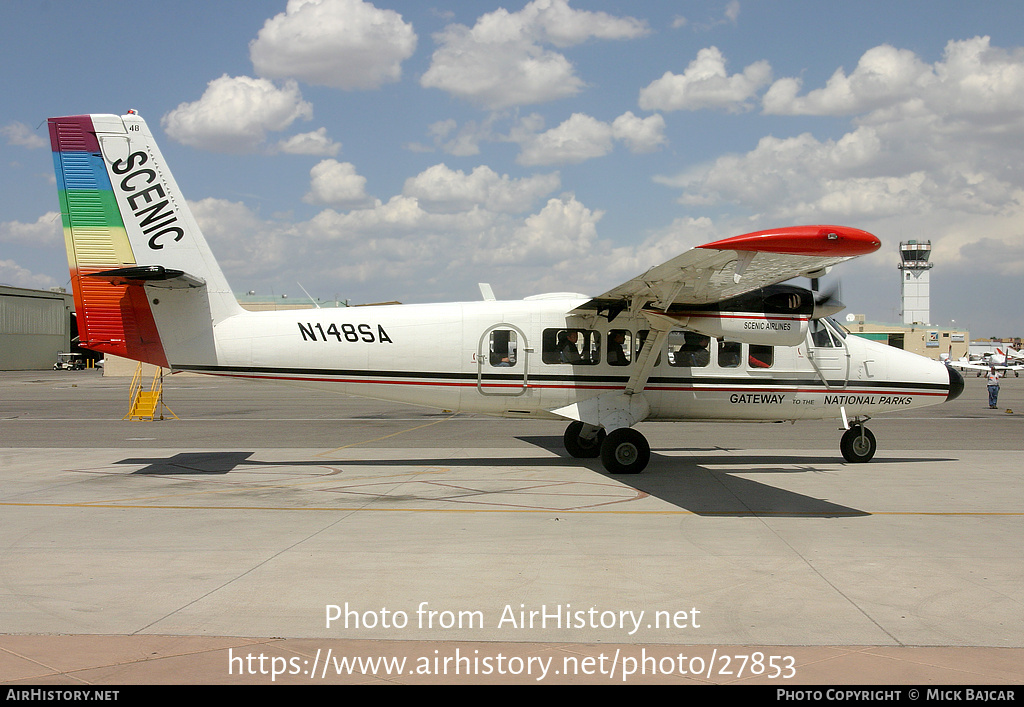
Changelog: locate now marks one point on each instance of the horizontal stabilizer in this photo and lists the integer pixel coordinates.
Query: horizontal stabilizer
(156, 275)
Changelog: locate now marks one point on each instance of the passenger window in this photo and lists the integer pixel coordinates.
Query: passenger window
(620, 348)
(579, 347)
(641, 339)
(502, 348)
(689, 349)
(761, 356)
(728, 354)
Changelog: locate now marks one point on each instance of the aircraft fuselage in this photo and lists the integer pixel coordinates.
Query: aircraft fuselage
(502, 358)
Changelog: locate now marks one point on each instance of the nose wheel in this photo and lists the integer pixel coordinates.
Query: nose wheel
(858, 444)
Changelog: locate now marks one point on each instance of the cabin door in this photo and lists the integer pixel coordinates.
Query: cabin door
(828, 354)
(502, 361)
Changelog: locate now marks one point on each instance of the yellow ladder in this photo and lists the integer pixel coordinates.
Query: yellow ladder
(144, 403)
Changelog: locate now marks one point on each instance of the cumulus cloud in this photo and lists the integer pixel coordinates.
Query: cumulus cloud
(336, 183)
(577, 139)
(555, 22)
(234, 114)
(467, 229)
(562, 230)
(447, 136)
(582, 137)
(23, 136)
(803, 178)
(504, 59)
(44, 231)
(444, 190)
(932, 152)
(883, 74)
(17, 276)
(640, 134)
(315, 143)
(347, 44)
(972, 78)
(248, 248)
(706, 84)
(975, 78)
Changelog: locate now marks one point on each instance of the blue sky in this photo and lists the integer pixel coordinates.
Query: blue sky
(408, 150)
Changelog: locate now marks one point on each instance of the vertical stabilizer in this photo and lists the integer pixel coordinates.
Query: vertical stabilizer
(146, 285)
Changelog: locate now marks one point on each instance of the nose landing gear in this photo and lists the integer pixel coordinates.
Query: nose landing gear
(858, 444)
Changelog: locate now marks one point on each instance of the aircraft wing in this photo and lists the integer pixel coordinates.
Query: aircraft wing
(733, 266)
(984, 367)
(968, 366)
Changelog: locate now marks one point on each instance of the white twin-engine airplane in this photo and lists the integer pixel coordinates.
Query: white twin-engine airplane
(708, 335)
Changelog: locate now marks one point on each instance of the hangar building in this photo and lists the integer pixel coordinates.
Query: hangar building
(923, 339)
(35, 325)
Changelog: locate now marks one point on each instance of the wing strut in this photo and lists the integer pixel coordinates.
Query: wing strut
(660, 327)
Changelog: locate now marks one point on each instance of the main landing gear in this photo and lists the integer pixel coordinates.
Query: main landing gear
(583, 441)
(622, 451)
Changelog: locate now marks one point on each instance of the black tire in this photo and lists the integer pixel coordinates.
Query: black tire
(857, 448)
(625, 451)
(579, 447)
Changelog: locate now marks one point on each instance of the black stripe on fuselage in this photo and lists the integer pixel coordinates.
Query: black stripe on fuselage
(581, 380)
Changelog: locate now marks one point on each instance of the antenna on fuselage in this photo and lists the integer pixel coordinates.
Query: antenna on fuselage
(307, 294)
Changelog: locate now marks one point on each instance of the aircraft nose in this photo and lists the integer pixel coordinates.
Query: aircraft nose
(956, 383)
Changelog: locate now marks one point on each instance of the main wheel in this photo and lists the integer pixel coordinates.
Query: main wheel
(625, 451)
(579, 447)
(857, 447)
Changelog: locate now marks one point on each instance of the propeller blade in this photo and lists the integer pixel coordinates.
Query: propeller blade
(827, 303)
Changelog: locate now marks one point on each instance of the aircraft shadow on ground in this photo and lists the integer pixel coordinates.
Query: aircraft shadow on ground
(191, 463)
(693, 484)
(689, 483)
(201, 463)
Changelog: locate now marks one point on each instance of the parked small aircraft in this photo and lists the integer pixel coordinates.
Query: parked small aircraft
(712, 334)
(1003, 361)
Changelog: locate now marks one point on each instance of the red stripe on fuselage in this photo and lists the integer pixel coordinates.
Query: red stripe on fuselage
(552, 386)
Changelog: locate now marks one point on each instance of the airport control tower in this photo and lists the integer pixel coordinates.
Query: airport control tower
(914, 266)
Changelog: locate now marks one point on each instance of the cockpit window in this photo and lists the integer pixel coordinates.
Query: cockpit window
(837, 328)
(821, 335)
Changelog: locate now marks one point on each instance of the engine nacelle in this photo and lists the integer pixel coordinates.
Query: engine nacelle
(772, 316)
(749, 328)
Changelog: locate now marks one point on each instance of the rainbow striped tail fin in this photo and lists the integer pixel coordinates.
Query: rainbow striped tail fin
(145, 283)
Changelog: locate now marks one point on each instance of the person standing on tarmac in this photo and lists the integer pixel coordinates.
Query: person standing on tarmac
(993, 387)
